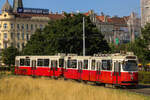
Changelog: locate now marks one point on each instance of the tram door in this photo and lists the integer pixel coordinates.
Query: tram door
(33, 68)
(54, 67)
(117, 72)
(80, 64)
(98, 71)
(17, 67)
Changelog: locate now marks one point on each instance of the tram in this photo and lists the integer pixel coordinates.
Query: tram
(116, 69)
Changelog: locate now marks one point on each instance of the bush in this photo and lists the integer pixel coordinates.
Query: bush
(144, 77)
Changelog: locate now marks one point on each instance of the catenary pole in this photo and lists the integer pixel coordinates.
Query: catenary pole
(83, 36)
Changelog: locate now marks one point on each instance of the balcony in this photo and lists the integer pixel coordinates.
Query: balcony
(5, 40)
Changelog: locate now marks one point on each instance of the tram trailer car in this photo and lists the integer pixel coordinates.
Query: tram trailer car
(116, 69)
(40, 65)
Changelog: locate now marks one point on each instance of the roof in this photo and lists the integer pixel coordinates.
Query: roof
(7, 7)
(118, 20)
(102, 18)
(87, 14)
(114, 20)
(51, 16)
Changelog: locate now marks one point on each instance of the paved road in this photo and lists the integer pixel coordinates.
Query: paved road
(142, 89)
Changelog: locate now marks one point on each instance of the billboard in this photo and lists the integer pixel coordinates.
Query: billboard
(32, 11)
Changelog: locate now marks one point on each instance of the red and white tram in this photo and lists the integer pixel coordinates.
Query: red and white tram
(116, 69)
(40, 65)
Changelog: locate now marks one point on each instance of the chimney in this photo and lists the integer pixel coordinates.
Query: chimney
(50, 12)
(63, 13)
(72, 14)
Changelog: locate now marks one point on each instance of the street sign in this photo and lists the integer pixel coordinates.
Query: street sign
(32, 10)
(117, 41)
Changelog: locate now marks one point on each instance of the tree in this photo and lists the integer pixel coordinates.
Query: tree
(8, 55)
(65, 36)
(36, 44)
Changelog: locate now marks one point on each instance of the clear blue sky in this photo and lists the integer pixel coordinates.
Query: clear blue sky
(109, 7)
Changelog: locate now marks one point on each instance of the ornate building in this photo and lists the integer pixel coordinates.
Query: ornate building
(145, 12)
(17, 28)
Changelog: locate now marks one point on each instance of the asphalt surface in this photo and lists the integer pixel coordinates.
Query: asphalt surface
(141, 89)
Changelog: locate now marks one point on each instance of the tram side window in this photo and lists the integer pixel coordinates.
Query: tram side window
(27, 62)
(61, 63)
(54, 63)
(93, 65)
(43, 63)
(40, 62)
(85, 64)
(72, 63)
(46, 62)
(22, 62)
(106, 65)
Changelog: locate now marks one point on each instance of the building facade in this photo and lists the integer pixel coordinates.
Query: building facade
(117, 29)
(134, 26)
(145, 12)
(17, 28)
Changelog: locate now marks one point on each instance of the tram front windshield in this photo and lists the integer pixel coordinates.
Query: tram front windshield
(130, 65)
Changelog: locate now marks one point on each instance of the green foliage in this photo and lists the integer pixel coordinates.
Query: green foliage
(65, 36)
(8, 55)
(144, 77)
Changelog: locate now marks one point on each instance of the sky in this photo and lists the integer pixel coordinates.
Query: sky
(108, 7)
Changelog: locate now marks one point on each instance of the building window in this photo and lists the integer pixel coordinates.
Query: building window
(5, 35)
(18, 45)
(27, 26)
(41, 26)
(5, 26)
(22, 45)
(22, 26)
(12, 26)
(0, 46)
(27, 36)
(22, 36)
(0, 36)
(18, 26)
(12, 35)
(12, 44)
(18, 36)
(5, 45)
(31, 26)
(35, 26)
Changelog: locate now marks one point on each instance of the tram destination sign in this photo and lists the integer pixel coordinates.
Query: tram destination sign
(32, 11)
